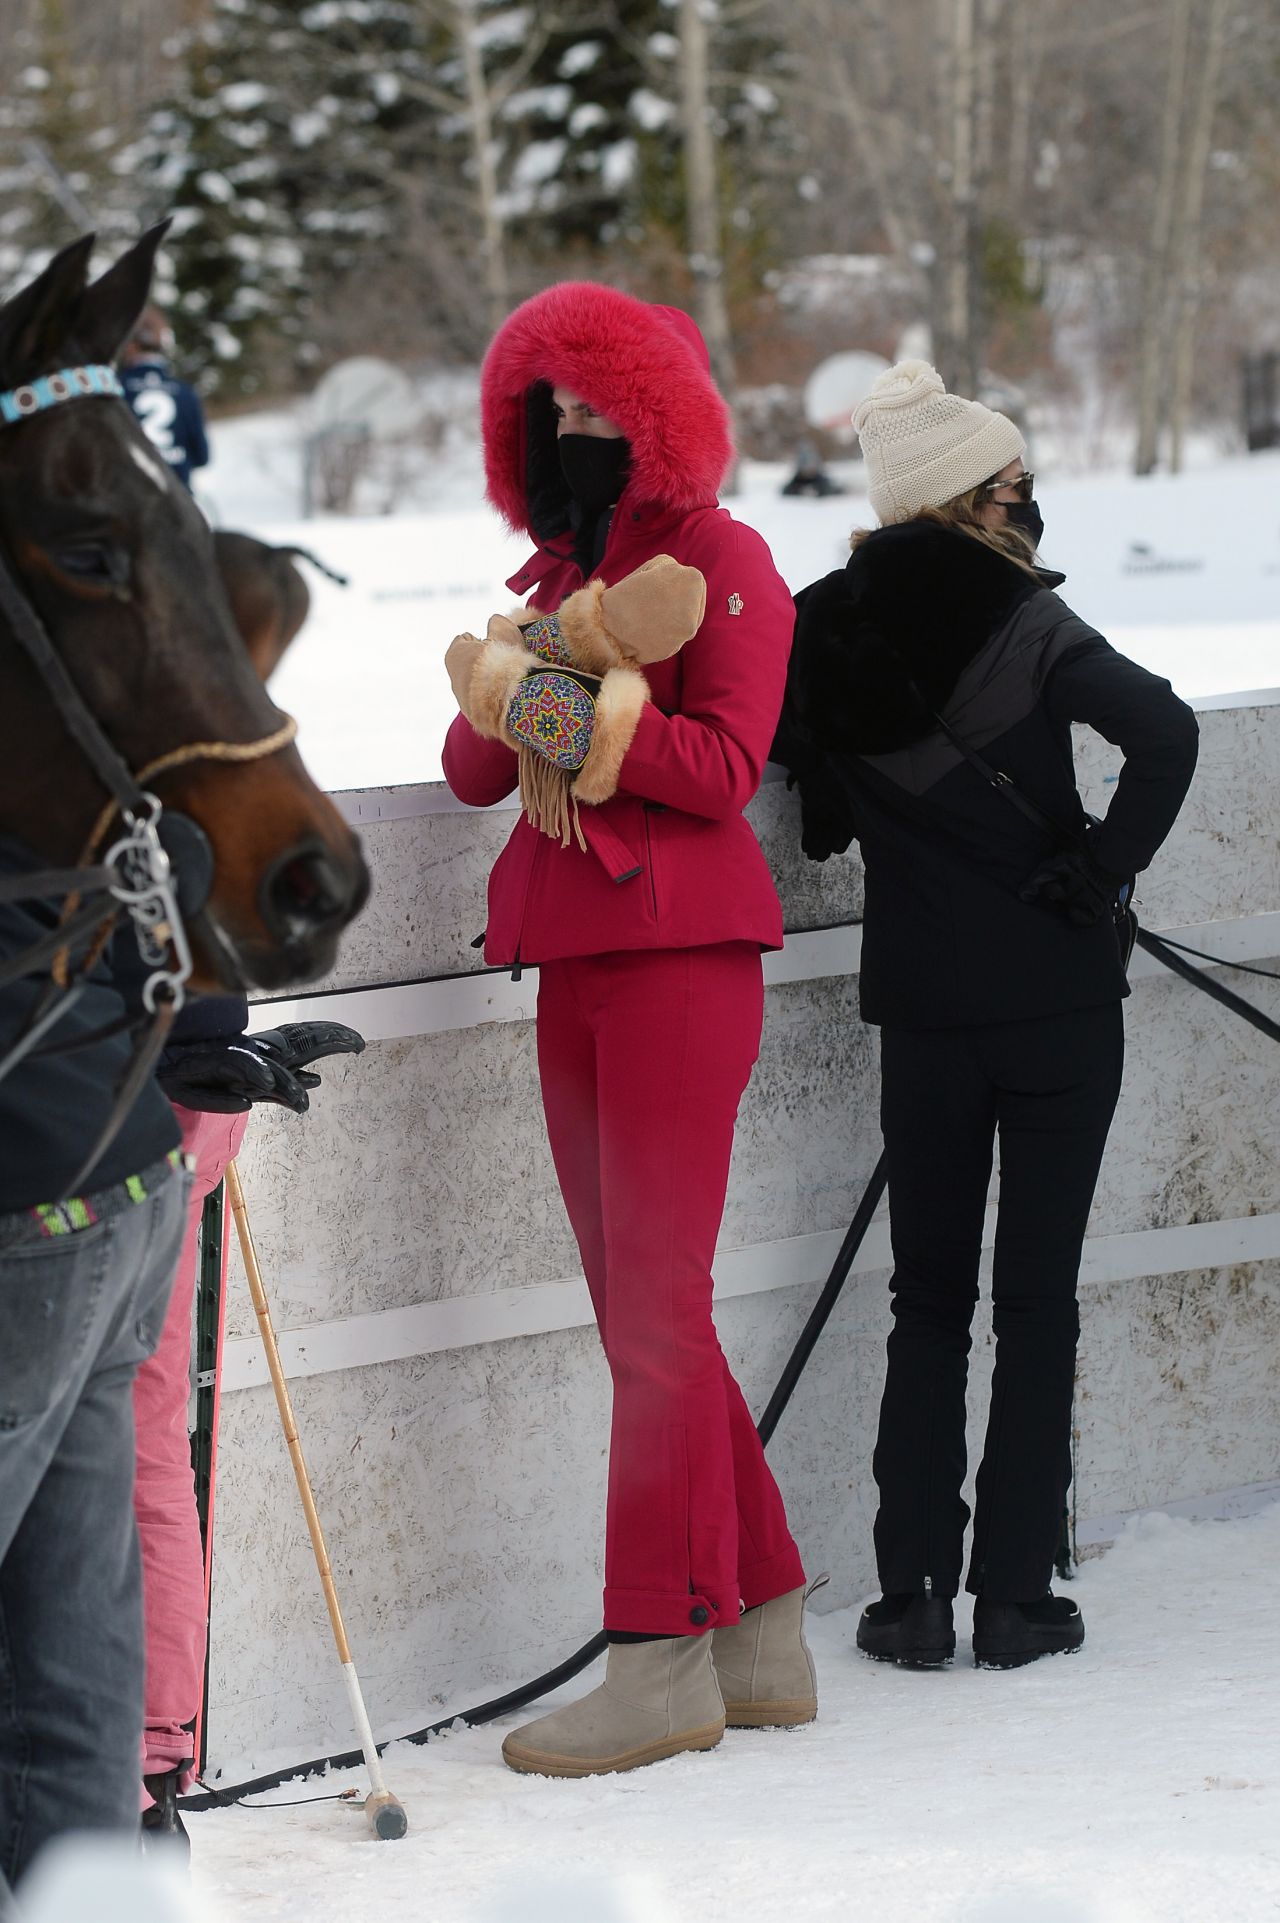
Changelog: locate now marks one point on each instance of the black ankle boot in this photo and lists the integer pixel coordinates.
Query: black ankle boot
(911, 1630)
(1006, 1635)
(162, 1825)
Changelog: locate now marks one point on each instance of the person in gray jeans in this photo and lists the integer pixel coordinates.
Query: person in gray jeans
(84, 1283)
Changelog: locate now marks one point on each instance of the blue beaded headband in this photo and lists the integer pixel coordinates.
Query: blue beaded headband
(69, 384)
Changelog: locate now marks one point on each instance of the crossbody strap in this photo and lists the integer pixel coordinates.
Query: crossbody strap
(1123, 916)
(1005, 785)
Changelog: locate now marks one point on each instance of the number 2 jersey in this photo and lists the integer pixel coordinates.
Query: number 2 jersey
(169, 413)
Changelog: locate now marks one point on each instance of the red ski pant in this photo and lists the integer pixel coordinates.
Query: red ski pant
(164, 1492)
(644, 1057)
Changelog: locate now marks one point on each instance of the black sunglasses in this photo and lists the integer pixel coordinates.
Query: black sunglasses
(1023, 485)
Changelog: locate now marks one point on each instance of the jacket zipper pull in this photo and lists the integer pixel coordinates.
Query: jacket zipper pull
(516, 970)
(928, 1587)
(479, 940)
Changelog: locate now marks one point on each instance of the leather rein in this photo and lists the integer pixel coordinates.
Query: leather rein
(134, 878)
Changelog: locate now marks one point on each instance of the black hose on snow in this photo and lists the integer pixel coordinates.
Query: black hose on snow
(573, 1665)
(818, 1317)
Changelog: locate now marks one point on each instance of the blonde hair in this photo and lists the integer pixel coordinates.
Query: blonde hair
(964, 514)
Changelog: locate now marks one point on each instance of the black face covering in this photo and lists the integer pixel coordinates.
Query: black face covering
(596, 469)
(1027, 518)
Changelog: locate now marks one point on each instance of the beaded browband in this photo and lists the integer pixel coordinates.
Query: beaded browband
(68, 384)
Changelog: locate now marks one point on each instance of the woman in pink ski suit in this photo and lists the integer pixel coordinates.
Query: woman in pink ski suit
(606, 440)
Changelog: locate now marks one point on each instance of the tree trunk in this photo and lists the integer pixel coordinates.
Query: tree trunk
(493, 247)
(702, 197)
(1153, 361)
(1186, 273)
(1024, 73)
(957, 362)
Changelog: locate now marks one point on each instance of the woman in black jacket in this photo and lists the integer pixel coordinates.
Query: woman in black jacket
(991, 963)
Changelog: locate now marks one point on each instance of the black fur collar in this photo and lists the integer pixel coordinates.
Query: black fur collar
(881, 643)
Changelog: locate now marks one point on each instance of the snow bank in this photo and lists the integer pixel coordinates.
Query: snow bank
(1137, 1782)
(1184, 575)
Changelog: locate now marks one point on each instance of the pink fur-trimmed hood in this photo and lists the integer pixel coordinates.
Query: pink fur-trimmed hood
(644, 366)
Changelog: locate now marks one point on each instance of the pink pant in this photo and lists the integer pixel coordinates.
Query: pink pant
(164, 1493)
(643, 1059)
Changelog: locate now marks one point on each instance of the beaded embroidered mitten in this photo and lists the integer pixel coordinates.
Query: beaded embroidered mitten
(565, 690)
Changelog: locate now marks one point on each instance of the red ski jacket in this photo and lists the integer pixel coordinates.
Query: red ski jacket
(670, 862)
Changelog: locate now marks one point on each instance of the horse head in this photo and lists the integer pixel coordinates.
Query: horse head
(120, 567)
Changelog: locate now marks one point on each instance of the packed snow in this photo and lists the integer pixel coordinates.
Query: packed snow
(1183, 575)
(1135, 1782)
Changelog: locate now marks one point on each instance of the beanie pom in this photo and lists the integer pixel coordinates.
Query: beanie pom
(904, 385)
(923, 446)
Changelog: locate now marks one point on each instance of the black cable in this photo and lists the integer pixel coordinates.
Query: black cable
(818, 1317)
(224, 1799)
(573, 1665)
(1244, 968)
(1164, 952)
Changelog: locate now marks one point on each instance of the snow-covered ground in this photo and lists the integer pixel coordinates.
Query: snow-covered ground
(1184, 575)
(1136, 1782)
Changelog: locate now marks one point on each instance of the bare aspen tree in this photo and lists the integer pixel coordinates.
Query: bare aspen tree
(702, 196)
(1153, 360)
(1025, 56)
(480, 108)
(1186, 273)
(957, 361)
(866, 132)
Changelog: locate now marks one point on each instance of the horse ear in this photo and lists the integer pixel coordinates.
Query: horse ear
(35, 322)
(110, 307)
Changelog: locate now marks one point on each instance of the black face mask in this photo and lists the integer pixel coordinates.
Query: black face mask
(1027, 518)
(596, 469)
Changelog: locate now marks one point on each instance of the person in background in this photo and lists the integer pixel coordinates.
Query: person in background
(810, 476)
(992, 965)
(213, 1073)
(168, 409)
(645, 905)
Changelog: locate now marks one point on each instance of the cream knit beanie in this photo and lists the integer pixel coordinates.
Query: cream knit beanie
(924, 446)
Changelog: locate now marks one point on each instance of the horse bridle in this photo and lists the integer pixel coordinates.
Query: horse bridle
(135, 874)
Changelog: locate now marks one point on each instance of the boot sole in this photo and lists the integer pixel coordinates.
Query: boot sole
(532, 1762)
(1017, 1658)
(784, 1715)
(925, 1656)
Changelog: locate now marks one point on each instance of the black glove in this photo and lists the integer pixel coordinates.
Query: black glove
(1074, 886)
(227, 1077)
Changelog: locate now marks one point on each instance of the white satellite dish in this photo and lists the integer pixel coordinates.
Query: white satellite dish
(836, 386)
(365, 396)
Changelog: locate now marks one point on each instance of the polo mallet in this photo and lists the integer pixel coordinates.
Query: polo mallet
(384, 1811)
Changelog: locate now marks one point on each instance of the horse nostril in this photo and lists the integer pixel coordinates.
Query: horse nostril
(307, 890)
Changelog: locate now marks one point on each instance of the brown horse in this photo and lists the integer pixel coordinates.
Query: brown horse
(120, 567)
(269, 598)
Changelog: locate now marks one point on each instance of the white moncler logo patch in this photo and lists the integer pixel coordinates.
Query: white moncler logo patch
(735, 604)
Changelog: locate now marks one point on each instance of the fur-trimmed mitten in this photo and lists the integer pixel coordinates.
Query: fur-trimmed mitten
(565, 690)
(646, 617)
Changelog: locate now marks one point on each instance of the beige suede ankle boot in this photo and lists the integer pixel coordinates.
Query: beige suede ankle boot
(764, 1668)
(656, 1700)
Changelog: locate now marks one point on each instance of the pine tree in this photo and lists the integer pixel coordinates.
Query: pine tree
(285, 164)
(55, 152)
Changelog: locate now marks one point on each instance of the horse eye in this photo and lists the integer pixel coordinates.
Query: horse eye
(92, 561)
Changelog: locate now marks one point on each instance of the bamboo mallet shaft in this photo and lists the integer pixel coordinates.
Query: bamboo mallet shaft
(385, 1813)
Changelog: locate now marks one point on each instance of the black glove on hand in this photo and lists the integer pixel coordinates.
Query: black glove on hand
(227, 1077)
(1074, 886)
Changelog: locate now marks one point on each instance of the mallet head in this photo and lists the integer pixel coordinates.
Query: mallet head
(386, 1815)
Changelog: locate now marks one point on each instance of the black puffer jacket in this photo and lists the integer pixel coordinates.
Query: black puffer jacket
(923, 618)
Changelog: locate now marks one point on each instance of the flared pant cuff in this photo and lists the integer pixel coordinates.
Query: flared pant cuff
(655, 1612)
(777, 1575)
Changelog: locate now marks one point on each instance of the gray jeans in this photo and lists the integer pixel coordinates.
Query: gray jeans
(78, 1313)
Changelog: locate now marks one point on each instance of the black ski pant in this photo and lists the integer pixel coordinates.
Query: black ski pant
(1048, 1089)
